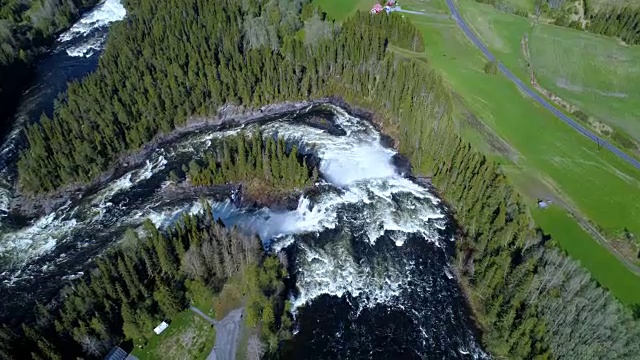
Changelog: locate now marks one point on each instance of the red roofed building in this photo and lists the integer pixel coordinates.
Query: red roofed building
(391, 2)
(377, 8)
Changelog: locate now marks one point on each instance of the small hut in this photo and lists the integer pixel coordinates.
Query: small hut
(377, 8)
(160, 328)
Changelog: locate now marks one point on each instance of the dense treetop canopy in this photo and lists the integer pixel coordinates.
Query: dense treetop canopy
(174, 59)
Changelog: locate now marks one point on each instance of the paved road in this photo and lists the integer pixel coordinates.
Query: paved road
(531, 92)
(227, 333)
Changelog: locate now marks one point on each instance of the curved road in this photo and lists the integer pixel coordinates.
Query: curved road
(529, 91)
(579, 128)
(227, 334)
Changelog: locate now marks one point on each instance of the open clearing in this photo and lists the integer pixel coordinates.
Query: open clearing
(593, 72)
(188, 337)
(605, 189)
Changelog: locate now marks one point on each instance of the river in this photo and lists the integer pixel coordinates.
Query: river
(74, 55)
(370, 248)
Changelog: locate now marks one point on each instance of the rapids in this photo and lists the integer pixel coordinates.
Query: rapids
(369, 246)
(74, 55)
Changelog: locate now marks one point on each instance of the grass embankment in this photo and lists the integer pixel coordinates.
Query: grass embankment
(188, 337)
(603, 266)
(536, 148)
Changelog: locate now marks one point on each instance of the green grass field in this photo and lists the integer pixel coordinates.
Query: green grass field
(340, 9)
(603, 266)
(602, 187)
(188, 337)
(593, 72)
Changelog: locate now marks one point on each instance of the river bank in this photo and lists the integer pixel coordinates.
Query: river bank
(229, 116)
(21, 72)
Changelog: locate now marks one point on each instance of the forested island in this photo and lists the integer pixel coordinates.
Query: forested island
(265, 169)
(173, 61)
(27, 29)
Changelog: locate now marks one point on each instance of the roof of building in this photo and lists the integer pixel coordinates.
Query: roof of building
(116, 353)
(160, 328)
(377, 7)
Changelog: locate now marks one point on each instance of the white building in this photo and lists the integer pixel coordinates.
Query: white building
(160, 328)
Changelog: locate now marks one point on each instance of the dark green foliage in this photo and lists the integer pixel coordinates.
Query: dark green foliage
(174, 60)
(491, 67)
(620, 22)
(27, 27)
(581, 115)
(496, 257)
(201, 65)
(113, 110)
(126, 296)
(7, 337)
(266, 167)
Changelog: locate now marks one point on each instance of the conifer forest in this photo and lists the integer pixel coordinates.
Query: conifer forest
(172, 61)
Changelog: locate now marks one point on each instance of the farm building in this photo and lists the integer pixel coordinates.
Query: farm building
(377, 8)
(391, 3)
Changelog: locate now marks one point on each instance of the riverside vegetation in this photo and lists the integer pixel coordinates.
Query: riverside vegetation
(265, 169)
(170, 61)
(150, 279)
(27, 28)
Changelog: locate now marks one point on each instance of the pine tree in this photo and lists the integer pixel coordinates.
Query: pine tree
(167, 300)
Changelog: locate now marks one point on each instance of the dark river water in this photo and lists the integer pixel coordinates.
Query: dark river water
(370, 248)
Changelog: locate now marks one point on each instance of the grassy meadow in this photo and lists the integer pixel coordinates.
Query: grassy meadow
(542, 156)
(340, 9)
(188, 337)
(596, 73)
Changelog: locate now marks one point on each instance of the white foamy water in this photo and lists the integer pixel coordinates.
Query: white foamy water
(98, 18)
(357, 165)
(333, 271)
(128, 180)
(361, 205)
(380, 200)
(87, 48)
(103, 14)
(36, 239)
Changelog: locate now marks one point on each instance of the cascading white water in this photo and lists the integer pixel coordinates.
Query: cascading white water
(70, 59)
(100, 17)
(357, 164)
(362, 205)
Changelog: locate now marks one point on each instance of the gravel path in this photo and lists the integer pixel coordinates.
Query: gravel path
(227, 333)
